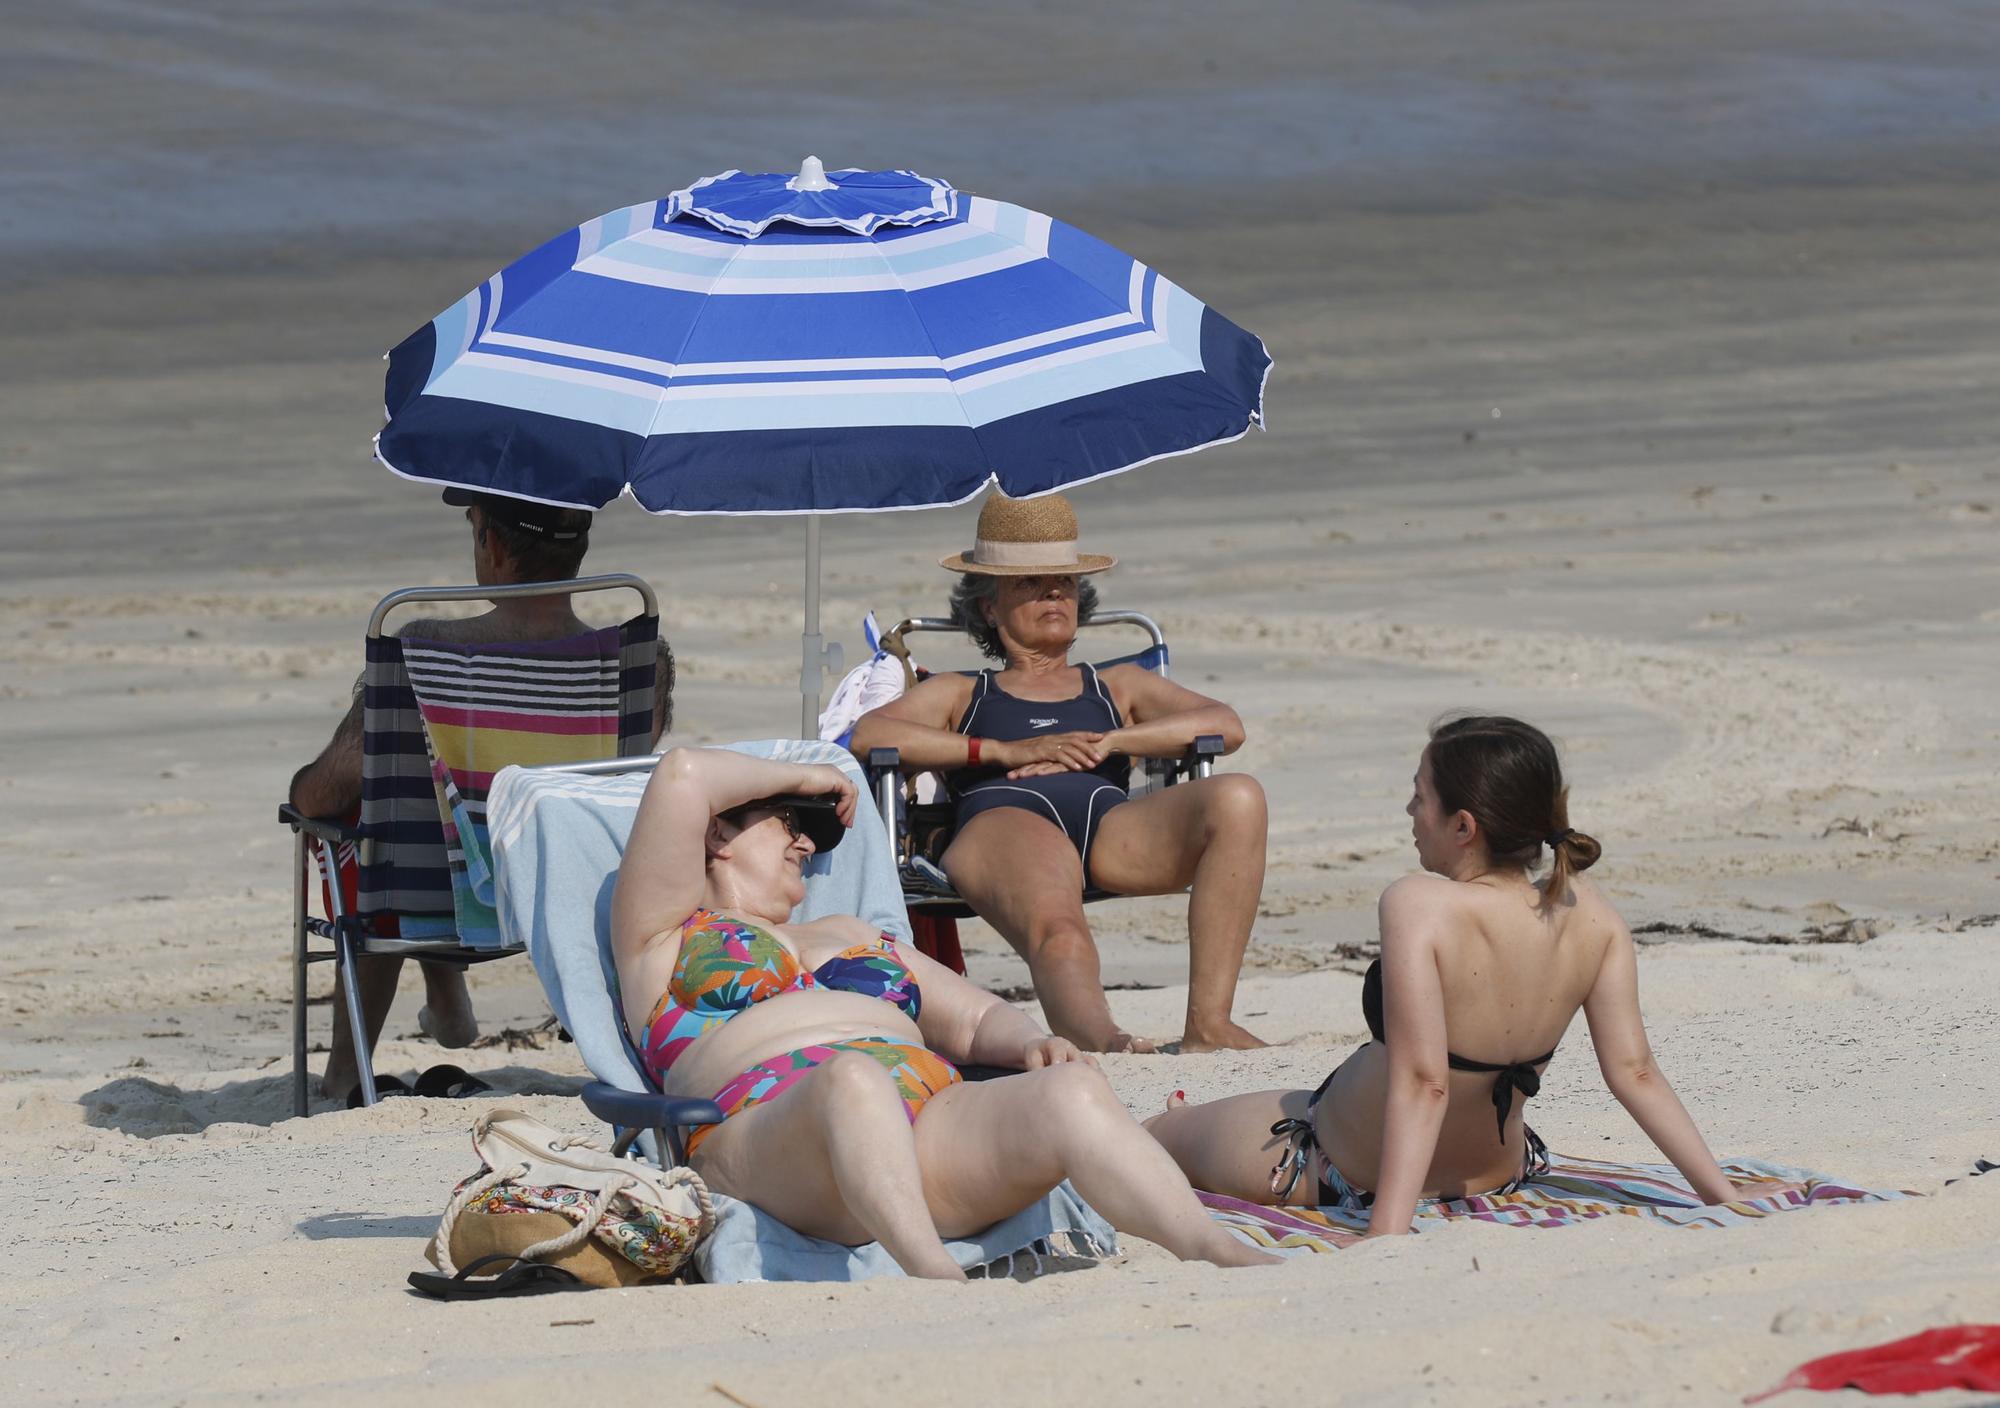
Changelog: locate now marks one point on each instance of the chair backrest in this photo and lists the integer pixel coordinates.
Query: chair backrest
(441, 717)
(1153, 657)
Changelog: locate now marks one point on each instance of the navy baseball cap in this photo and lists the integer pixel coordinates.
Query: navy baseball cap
(557, 525)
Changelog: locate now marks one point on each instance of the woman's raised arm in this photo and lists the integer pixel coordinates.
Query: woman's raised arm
(1626, 1059)
(664, 873)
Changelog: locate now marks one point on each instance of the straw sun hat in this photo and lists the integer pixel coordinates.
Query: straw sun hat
(1026, 538)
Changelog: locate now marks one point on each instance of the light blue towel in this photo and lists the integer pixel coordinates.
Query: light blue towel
(557, 839)
(747, 1245)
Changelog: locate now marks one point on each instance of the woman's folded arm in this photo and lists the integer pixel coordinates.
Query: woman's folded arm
(1163, 719)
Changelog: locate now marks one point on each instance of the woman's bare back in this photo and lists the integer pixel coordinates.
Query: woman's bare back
(1513, 975)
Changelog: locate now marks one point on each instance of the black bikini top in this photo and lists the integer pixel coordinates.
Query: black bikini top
(1521, 1075)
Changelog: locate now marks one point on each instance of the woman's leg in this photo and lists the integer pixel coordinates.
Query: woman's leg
(834, 1157)
(1226, 1146)
(1207, 834)
(989, 1149)
(1022, 876)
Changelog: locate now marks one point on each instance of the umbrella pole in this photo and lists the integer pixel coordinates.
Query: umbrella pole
(815, 654)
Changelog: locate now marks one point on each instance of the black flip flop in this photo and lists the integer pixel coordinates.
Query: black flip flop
(449, 1083)
(385, 1086)
(519, 1278)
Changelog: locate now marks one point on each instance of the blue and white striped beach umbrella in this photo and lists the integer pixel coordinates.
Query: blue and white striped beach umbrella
(758, 344)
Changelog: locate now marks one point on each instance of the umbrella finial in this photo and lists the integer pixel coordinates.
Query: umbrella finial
(811, 177)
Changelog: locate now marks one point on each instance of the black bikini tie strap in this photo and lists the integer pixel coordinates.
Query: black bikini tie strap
(1521, 1076)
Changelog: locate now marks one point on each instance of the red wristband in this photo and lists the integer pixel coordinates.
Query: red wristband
(971, 751)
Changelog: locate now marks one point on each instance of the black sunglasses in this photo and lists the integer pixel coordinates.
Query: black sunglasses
(788, 817)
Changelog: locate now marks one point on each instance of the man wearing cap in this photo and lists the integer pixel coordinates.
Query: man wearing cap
(1036, 757)
(513, 540)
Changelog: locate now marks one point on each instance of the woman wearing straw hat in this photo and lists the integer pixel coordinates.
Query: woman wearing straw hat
(1036, 756)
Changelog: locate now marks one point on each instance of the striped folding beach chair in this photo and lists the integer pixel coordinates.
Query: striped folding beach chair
(439, 718)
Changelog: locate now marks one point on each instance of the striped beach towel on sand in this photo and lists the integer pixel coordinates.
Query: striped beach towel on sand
(1571, 1192)
(489, 706)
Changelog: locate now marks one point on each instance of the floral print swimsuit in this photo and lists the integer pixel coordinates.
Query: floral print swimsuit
(726, 966)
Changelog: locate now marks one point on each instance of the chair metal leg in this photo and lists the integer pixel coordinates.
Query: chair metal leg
(343, 951)
(299, 864)
(364, 1059)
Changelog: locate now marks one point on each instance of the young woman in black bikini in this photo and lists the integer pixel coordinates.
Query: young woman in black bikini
(1035, 755)
(1482, 971)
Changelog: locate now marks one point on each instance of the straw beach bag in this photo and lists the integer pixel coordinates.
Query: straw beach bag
(562, 1200)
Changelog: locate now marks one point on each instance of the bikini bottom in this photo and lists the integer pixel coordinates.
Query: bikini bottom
(1302, 1149)
(919, 1074)
(1336, 1192)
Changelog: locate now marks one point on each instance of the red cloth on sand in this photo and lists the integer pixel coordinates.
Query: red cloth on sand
(1959, 1356)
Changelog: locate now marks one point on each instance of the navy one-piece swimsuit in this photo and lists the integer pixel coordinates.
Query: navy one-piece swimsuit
(1074, 801)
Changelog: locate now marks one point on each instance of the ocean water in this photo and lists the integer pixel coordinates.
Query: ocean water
(216, 215)
(135, 134)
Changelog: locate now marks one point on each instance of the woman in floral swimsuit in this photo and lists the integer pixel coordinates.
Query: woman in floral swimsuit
(831, 1048)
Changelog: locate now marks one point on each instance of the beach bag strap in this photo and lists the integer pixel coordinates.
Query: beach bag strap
(523, 1162)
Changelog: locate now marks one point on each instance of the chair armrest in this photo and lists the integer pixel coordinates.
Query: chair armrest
(323, 828)
(1202, 753)
(881, 760)
(631, 1110)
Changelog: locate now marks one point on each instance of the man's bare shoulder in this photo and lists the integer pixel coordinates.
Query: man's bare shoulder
(488, 628)
(454, 629)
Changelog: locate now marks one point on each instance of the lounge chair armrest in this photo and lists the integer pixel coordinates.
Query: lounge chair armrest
(633, 1110)
(881, 760)
(324, 828)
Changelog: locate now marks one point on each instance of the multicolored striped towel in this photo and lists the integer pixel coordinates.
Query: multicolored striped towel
(1572, 1191)
(488, 706)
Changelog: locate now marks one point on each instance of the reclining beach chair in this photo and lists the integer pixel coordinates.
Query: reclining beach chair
(439, 718)
(922, 830)
(558, 836)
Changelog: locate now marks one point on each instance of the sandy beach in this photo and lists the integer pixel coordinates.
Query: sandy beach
(1636, 374)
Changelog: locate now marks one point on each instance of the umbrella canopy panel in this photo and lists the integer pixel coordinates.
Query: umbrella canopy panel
(758, 344)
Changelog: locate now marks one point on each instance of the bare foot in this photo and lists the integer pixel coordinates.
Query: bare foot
(1117, 1041)
(462, 1029)
(446, 1016)
(1224, 1036)
(1176, 1101)
(1238, 1252)
(937, 1268)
